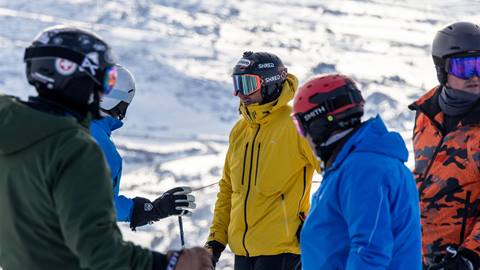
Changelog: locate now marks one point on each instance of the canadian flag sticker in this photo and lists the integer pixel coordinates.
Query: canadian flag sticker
(65, 67)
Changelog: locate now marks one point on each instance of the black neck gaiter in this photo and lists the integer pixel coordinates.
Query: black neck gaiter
(455, 102)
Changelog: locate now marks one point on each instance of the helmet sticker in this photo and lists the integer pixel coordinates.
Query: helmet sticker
(266, 65)
(90, 62)
(84, 40)
(44, 38)
(273, 78)
(94, 57)
(65, 67)
(99, 47)
(314, 113)
(244, 62)
(57, 40)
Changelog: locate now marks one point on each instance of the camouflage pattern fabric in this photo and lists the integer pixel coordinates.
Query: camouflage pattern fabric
(448, 178)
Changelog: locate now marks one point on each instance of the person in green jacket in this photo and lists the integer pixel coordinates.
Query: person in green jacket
(56, 207)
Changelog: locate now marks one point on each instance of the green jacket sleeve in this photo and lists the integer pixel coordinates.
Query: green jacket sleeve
(83, 197)
(221, 216)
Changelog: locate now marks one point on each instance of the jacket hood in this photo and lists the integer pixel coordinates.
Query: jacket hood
(374, 137)
(22, 126)
(257, 113)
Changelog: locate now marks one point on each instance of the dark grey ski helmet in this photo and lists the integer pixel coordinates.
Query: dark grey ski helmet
(460, 38)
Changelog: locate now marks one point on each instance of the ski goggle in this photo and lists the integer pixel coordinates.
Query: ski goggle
(464, 67)
(246, 84)
(301, 129)
(109, 80)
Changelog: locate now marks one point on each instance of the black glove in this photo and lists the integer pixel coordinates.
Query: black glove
(216, 248)
(461, 259)
(176, 201)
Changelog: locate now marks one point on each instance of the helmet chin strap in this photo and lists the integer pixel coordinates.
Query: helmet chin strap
(325, 148)
(269, 98)
(336, 137)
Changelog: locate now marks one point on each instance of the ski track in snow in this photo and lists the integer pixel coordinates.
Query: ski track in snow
(181, 53)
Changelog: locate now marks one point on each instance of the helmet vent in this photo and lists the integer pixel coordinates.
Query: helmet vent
(455, 48)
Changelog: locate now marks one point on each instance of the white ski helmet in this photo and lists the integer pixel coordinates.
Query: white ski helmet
(118, 100)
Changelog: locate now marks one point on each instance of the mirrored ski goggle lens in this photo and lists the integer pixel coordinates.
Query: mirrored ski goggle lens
(464, 67)
(246, 84)
(298, 125)
(109, 80)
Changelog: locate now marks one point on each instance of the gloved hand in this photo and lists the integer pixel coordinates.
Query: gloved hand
(196, 258)
(215, 248)
(461, 259)
(176, 201)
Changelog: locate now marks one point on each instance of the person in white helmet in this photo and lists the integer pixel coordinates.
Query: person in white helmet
(138, 211)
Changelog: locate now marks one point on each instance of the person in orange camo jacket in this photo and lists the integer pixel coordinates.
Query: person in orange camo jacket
(446, 141)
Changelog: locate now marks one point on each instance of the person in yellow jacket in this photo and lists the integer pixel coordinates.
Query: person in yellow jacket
(265, 189)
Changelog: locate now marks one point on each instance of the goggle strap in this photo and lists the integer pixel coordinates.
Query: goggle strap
(54, 51)
(60, 52)
(330, 105)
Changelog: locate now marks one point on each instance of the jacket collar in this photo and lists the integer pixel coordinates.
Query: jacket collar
(261, 114)
(428, 105)
(108, 124)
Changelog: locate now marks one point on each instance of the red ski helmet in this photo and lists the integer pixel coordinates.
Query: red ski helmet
(326, 103)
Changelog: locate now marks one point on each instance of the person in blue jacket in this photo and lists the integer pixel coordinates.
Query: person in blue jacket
(138, 211)
(365, 214)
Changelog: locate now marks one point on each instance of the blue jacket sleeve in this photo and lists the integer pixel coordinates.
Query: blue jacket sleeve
(123, 205)
(366, 207)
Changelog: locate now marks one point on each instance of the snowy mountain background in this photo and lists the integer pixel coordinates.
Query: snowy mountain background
(181, 53)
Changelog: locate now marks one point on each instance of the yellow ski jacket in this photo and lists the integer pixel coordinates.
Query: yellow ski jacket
(266, 181)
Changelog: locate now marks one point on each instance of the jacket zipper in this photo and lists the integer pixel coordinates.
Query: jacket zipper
(465, 216)
(303, 190)
(284, 207)
(248, 192)
(437, 149)
(427, 170)
(256, 167)
(244, 161)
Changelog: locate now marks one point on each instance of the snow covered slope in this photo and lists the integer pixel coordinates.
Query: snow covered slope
(181, 53)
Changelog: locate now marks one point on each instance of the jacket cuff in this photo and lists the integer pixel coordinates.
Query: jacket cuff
(159, 261)
(218, 237)
(215, 246)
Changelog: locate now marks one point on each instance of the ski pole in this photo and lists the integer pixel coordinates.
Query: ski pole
(180, 222)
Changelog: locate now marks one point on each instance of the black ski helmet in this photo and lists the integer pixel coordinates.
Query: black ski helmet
(456, 39)
(270, 69)
(69, 66)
